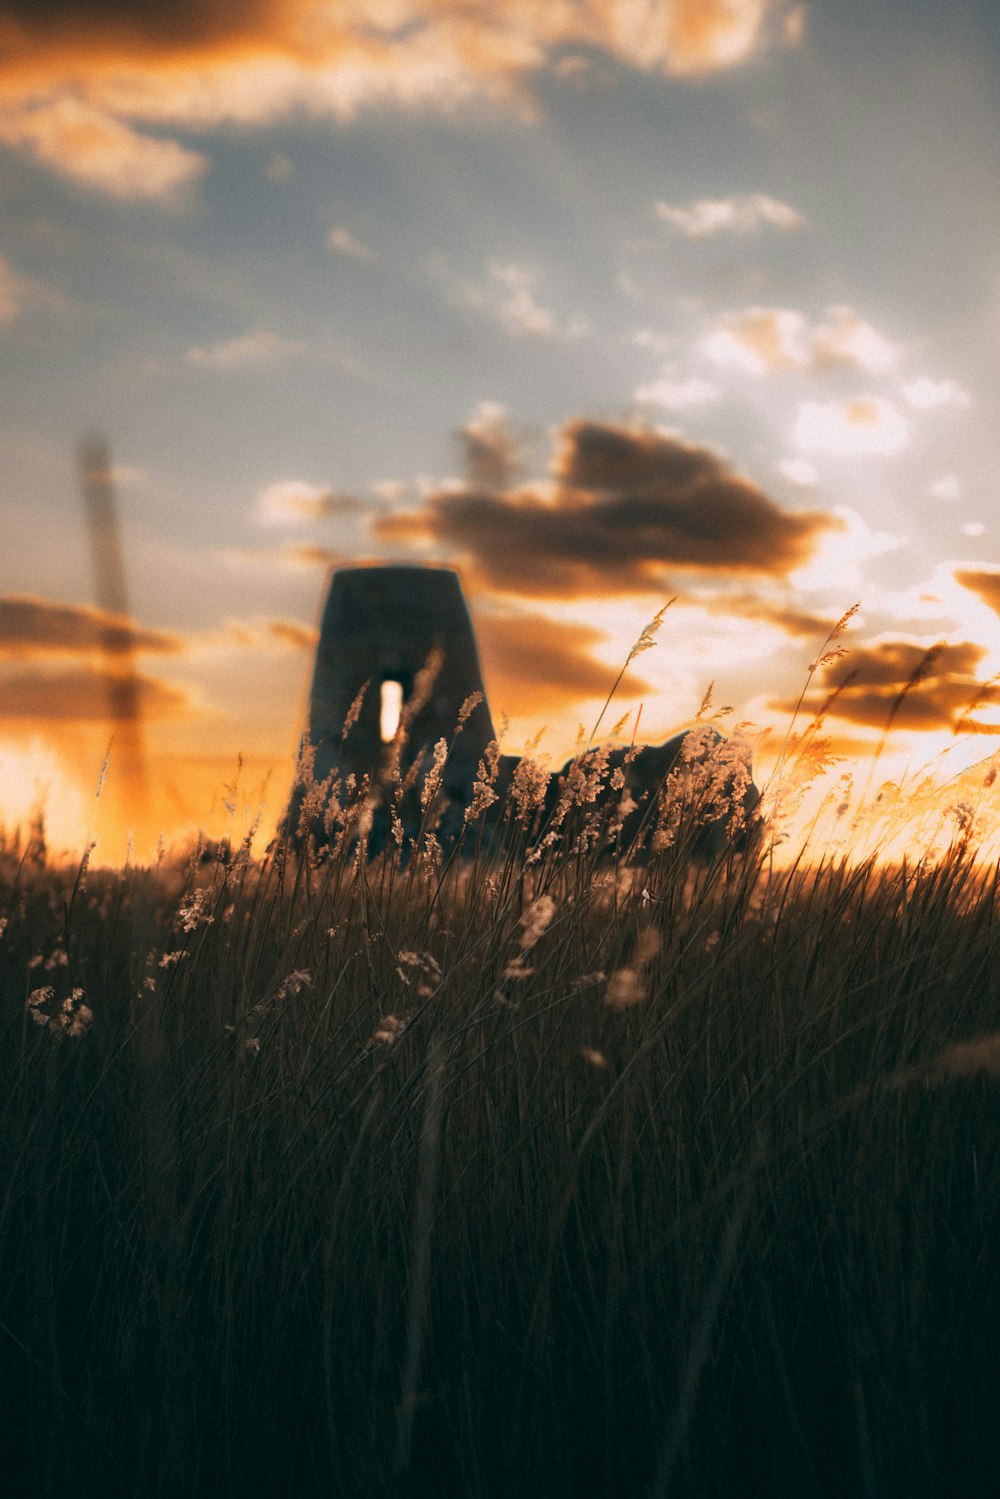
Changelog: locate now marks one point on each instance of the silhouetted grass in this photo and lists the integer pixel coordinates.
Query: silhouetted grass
(520, 1174)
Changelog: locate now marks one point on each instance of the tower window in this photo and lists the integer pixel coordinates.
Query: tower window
(390, 710)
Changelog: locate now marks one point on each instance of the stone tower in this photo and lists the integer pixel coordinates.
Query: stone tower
(382, 625)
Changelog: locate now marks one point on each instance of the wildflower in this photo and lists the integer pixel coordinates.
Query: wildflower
(354, 711)
(426, 975)
(396, 827)
(471, 702)
(74, 1018)
(594, 1057)
(297, 980)
(432, 780)
(170, 958)
(36, 1002)
(647, 639)
(647, 946)
(518, 969)
(536, 920)
(389, 1029)
(528, 788)
(192, 910)
(625, 988)
(483, 794)
(626, 985)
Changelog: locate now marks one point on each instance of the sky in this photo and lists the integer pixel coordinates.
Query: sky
(602, 302)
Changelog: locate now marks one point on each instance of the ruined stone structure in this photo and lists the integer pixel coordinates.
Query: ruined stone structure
(406, 632)
(384, 626)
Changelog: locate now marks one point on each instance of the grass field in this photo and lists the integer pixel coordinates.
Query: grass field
(532, 1173)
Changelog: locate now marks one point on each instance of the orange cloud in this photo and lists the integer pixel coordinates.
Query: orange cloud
(33, 626)
(101, 151)
(627, 505)
(80, 694)
(534, 665)
(801, 624)
(984, 582)
(75, 79)
(296, 636)
(907, 684)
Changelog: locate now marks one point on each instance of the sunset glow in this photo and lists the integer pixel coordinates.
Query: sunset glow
(600, 304)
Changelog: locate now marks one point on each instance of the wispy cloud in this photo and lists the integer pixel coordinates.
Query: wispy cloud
(928, 395)
(342, 242)
(509, 296)
(867, 426)
(762, 340)
(250, 351)
(100, 150)
(674, 392)
(741, 214)
(489, 448)
(291, 501)
(799, 471)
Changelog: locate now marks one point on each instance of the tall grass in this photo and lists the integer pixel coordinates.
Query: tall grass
(525, 1170)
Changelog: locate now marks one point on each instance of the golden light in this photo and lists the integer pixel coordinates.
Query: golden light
(33, 778)
(391, 707)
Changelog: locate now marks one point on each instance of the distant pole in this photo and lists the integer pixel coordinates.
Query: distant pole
(108, 568)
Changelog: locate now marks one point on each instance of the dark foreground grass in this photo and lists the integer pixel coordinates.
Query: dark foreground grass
(499, 1181)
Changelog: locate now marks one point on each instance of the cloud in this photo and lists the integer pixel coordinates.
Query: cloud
(929, 395)
(33, 626)
(76, 78)
(911, 683)
(676, 393)
(251, 351)
(847, 338)
(291, 501)
(799, 623)
(342, 242)
(508, 295)
(761, 340)
(867, 426)
(101, 151)
(799, 471)
(984, 582)
(81, 694)
(741, 214)
(537, 665)
(296, 636)
(305, 554)
(489, 449)
(626, 505)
